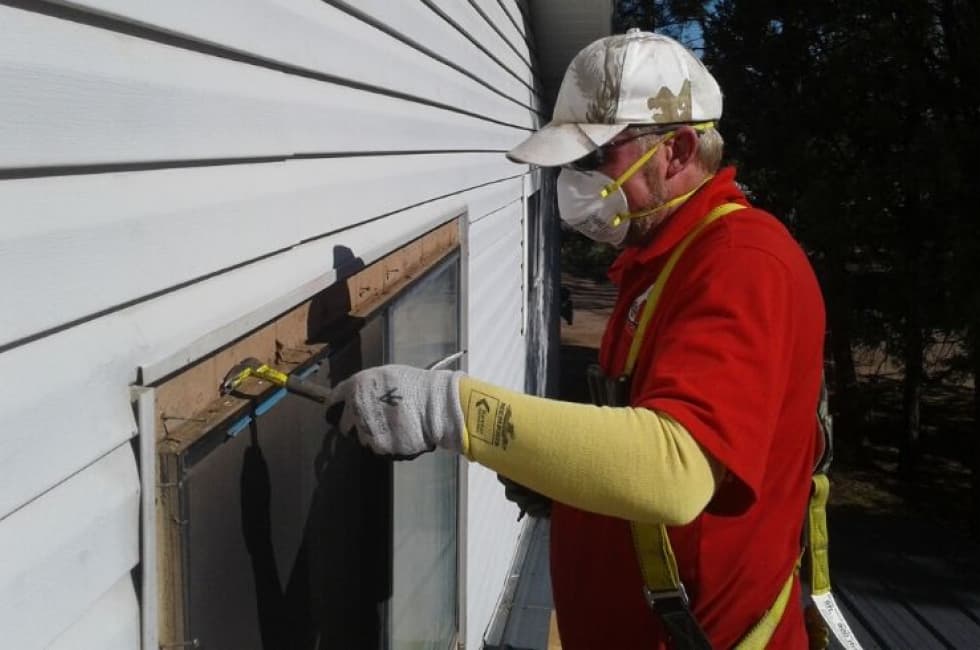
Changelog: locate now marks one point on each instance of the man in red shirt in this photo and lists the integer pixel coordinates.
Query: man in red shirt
(714, 346)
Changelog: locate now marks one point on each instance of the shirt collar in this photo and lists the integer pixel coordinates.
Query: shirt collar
(720, 189)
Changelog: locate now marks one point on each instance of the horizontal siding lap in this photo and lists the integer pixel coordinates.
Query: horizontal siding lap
(511, 200)
(67, 550)
(62, 422)
(172, 226)
(275, 285)
(148, 330)
(512, 36)
(500, 222)
(477, 28)
(417, 22)
(127, 276)
(119, 99)
(483, 201)
(319, 38)
(112, 623)
(97, 360)
(515, 14)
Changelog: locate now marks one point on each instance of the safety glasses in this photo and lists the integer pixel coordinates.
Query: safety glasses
(598, 158)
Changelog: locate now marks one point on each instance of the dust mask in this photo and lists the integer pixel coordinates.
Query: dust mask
(596, 206)
(581, 206)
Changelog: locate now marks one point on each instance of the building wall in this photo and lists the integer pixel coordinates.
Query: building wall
(175, 174)
(563, 28)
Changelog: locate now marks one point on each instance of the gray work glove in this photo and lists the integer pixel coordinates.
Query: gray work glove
(529, 501)
(399, 410)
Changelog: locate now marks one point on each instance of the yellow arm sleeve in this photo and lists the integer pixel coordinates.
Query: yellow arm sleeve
(631, 463)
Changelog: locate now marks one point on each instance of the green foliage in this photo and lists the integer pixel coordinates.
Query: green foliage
(680, 19)
(839, 113)
(853, 121)
(856, 122)
(583, 257)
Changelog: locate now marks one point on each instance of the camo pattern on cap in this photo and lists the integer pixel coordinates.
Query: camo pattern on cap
(637, 77)
(668, 108)
(597, 72)
(632, 78)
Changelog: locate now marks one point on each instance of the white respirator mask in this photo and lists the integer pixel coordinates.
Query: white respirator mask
(582, 207)
(596, 205)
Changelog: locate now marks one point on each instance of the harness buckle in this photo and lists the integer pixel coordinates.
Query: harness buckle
(668, 599)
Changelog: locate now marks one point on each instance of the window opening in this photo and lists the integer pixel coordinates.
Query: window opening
(276, 532)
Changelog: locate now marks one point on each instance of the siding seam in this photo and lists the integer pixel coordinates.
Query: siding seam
(488, 52)
(387, 29)
(120, 26)
(187, 283)
(70, 476)
(506, 40)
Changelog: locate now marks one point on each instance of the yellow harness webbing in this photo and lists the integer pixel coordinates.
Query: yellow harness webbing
(653, 297)
(656, 557)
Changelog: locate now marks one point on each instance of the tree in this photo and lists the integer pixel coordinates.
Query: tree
(833, 108)
(680, 19)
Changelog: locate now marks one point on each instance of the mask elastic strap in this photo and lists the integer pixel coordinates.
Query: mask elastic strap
(677, 200)
(642, 160)
(625, 176)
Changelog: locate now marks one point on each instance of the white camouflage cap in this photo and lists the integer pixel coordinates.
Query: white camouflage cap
(632, 78)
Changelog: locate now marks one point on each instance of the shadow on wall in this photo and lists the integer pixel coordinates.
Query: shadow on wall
(335, 590)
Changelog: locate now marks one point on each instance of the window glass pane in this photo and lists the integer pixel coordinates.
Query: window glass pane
(423, 322)
(284, 528)
(424, 328)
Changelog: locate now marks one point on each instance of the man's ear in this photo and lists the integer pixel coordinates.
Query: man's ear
(682, 150)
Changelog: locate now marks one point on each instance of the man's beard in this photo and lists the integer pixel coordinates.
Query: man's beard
(641, 229)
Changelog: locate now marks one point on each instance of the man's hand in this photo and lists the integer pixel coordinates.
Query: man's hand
(399, 410)
(529, 501)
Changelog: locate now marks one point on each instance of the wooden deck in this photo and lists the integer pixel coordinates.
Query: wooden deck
(903, 584)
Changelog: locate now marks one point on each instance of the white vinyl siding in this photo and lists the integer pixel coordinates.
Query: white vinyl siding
(66, 551)
(173, 175)
(497, 354)
(91, 631)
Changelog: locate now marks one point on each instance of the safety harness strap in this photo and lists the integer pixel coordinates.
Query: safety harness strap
(664, 591)
(817, 532)
(653, 297)
(663, 588)
(818, 558)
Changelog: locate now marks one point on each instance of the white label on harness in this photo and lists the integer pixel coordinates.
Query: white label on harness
(835, 620)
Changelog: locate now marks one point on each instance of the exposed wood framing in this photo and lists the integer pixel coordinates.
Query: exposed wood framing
(293, 338)
(188, 404)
